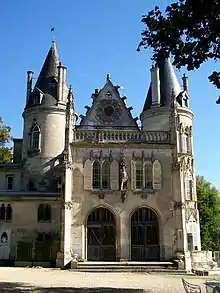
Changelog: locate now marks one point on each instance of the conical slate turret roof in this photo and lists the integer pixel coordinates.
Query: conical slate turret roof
(49, 70)
(46, 84)
(168, 83)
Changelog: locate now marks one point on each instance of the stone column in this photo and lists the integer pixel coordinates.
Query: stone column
(125, 236)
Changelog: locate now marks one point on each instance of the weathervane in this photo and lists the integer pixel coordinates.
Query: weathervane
(53, 30)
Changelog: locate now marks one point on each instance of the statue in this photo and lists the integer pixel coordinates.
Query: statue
(124, 173)
(124, 177)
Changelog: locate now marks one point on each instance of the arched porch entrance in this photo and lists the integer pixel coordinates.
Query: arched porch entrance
(101, 235)
(144, 235)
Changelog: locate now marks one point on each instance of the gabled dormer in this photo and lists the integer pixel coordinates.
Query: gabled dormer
(108, 110)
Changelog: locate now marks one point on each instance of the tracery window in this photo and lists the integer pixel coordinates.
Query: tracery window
(35, 137)
(101, 175)
(44, 213)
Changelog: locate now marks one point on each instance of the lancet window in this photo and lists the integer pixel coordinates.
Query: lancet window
(35, 137)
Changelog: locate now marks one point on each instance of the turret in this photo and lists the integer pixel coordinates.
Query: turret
(156, 110)
(45, 118)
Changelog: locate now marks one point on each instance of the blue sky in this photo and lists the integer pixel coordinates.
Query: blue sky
(94, 38)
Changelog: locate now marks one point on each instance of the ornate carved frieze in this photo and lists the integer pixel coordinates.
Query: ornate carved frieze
(120, 136)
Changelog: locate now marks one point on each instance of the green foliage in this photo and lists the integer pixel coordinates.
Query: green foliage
(209, 210)
(5, 152)
(188, 30)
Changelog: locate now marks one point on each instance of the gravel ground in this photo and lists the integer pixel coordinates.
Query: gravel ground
(51, 280)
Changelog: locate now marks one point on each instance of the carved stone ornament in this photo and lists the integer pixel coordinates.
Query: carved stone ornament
(178, 205)
(144, 194)
(67, 205)
(124, 195)
(102, 193)
(108, 111)
(189, 213)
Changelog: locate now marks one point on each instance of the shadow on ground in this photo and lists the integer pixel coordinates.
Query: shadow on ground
(22, 287)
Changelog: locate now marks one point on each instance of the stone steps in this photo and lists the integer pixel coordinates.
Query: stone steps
(148, 267)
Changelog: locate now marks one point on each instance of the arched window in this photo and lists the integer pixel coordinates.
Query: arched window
(8, 213)
(139, 175)
(101, 175)
(188, 186)
(157, 175)
(44, 213)
(148, 170)
(2, 212)
(35, 137)
(96, 175)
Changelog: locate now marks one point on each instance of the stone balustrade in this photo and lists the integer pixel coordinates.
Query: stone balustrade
(120, 136)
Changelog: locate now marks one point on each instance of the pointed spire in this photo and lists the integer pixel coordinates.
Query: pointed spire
(49, 71)
(168, 83)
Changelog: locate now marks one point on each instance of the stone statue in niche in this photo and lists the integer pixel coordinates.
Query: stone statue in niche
(124, 173)
(124, 178)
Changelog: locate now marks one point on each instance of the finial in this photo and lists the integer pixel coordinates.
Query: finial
(108, 77)
(70, 90)
(185, 83)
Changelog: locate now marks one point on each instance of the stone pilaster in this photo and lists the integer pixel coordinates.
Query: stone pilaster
(125, 236)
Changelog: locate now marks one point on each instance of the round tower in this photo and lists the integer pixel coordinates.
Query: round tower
(44, 123)
(156, 111)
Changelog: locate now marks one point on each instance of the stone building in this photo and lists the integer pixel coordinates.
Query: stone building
(103, 188)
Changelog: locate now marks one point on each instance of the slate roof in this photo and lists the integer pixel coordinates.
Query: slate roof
(47, 79)
(168, 82)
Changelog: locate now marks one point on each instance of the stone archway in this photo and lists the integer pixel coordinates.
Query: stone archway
(144, 235)
(101, 235)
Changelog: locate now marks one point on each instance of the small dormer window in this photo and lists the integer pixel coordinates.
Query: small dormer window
(35, 137)
(36, 100)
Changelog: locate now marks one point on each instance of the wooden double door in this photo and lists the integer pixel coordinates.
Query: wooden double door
(101, 236)
(144, 236)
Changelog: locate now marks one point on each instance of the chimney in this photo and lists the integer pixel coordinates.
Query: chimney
(185, 83)
(61, 82)
(155, 86)
(29, 85)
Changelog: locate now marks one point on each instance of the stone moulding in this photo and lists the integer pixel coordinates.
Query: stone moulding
(121, 136)
(144, 194)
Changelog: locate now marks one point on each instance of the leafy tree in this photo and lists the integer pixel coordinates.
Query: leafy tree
(189, 30)
(209, 210)
(5, 152)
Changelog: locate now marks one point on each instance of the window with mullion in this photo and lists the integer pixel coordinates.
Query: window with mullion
(96, 174)
(139, 175)
(105, 175)
(148, 169)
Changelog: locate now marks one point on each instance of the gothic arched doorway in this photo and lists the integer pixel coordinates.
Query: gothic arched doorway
(101, 235)
(144, 235)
